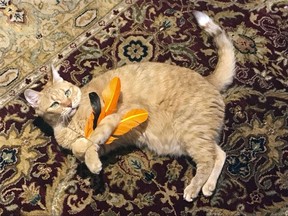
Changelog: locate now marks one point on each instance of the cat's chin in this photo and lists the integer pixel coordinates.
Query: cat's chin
(72, 111)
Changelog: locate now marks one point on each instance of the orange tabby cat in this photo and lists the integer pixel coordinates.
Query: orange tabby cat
(186, 112)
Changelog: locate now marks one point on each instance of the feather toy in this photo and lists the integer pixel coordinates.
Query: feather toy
(110, 96)
(130, 120)
(91, 123)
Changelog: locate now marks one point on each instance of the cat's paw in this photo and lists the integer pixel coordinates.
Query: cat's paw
(79, 147)
(208, 188)
(191, 192)
(94, 166)
(92, 160)
(99, 140)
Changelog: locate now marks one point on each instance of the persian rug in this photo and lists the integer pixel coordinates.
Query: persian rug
(87, 38)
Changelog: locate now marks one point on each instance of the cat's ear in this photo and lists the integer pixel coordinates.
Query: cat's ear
(32, 97)
(55, 75)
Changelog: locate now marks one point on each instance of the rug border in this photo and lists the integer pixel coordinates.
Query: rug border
(39, 72)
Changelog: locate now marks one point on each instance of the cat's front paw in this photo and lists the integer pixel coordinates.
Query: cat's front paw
(79, 148)
(92, 160)
(94, 166)
(98, 140)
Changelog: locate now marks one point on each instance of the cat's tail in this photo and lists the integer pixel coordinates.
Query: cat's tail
(225, 68)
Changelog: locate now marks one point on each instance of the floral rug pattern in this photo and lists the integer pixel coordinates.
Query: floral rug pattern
(39, 178)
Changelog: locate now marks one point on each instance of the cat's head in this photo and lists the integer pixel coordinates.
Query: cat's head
(57, 102)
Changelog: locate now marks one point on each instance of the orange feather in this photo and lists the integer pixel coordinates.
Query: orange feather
(129, 121)
(110, 97)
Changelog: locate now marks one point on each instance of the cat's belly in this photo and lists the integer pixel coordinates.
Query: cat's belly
(166, 145)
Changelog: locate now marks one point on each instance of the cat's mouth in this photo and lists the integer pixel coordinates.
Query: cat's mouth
(73, 111)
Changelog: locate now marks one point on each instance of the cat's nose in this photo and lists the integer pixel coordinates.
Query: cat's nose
(67, 103)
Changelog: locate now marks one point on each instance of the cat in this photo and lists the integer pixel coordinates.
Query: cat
(186, 111)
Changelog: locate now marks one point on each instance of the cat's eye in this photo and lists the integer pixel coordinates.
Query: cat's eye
(54, 104)
(68, 93)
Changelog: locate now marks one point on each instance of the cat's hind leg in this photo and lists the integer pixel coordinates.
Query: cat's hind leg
(203, 153)
(210, 185)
